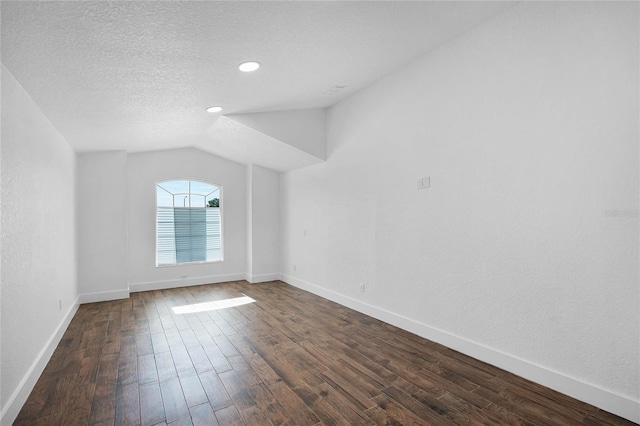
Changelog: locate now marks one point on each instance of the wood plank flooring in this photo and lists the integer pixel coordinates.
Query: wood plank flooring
(289, 358)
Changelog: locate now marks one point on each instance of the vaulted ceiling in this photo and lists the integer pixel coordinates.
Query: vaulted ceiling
(138, 75)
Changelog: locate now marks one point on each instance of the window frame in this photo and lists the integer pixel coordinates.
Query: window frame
(197, 262)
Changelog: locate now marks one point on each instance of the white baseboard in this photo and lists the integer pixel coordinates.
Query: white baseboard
(263, 278)
(617, 404)
(186, 282)
(28, 382)
(103, 296)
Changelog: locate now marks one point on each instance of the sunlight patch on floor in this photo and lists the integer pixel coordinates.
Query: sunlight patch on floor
(212, 306)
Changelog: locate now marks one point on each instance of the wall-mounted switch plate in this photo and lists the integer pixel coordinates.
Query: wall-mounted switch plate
(424, 182)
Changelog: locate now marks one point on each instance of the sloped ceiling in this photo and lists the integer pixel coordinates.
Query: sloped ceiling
(243, 144)
(288, 139)
(138, 75)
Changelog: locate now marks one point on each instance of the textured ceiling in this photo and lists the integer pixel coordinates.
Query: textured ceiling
(138, 75)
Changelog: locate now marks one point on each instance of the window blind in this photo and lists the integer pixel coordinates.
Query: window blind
(187, 234)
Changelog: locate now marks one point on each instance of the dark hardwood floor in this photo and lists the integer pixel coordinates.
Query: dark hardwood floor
(288, 358)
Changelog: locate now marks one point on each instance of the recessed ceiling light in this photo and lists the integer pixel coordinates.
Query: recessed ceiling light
(249, 66)
(214, 109)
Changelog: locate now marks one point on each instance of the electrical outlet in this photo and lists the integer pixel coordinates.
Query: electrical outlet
(362, 287)
(60, 304)
(295, 268)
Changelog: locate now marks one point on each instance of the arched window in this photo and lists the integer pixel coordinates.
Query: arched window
(188, 222)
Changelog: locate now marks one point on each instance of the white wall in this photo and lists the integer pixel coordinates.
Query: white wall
(264, 228)
(102, 226)
(144, 170)
(2, 404)
(528, 128)
(38, 243)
